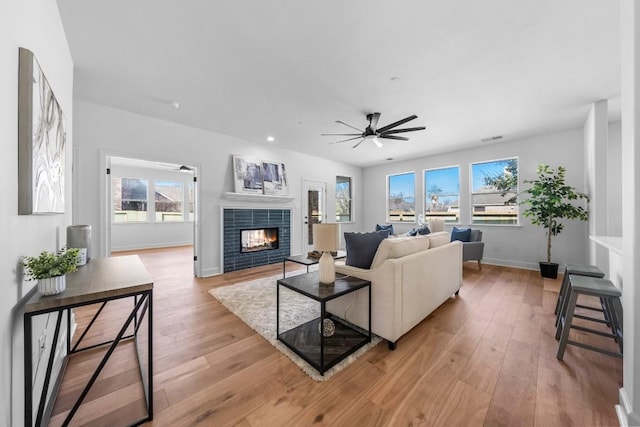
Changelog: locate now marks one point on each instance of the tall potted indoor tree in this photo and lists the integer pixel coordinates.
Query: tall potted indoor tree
(549, 202)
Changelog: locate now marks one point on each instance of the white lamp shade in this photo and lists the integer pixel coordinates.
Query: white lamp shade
(326, 237)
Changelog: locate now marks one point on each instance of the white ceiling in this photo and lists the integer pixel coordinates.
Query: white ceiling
(469, 69)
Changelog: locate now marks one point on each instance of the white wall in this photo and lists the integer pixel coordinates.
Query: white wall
(35, 25)
(128, 236)
(519, 246)
(614, 181)
(101, 130)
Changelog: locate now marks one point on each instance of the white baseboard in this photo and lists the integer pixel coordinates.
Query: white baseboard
(510, 263)
(208, 272)
(626, 416)
(149, 246)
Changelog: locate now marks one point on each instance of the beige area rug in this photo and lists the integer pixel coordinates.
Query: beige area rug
(255, 303)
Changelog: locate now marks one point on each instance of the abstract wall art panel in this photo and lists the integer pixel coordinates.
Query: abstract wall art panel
(274, 179)
(41, 142)
(247, 174)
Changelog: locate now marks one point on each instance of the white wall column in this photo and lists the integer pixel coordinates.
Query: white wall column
(596, 135)
(629, 409)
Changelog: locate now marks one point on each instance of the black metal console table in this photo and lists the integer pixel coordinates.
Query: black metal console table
(100, 281)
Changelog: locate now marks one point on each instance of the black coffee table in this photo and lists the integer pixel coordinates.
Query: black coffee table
(306, 260)
(320, 351)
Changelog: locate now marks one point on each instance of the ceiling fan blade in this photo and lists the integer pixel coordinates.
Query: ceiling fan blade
(345, 140)
(378, 143)
(373, 121)
(399, 138)
(346, 124)
(403, 130)
(340, 134)
(398, 123)
(359, 142)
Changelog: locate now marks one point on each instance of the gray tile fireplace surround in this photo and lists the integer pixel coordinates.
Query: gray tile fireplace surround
(238, 219)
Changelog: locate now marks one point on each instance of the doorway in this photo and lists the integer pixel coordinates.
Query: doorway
(149, 204)
(314, 202)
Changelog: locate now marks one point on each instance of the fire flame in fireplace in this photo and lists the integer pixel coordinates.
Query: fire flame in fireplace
(259, 240)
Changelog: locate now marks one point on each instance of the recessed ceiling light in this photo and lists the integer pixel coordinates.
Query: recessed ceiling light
(270, 139)
(175, 105)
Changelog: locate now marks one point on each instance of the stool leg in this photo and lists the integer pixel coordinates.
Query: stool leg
(563, 307)
(565, 279)
(564, 326)
(616, 314)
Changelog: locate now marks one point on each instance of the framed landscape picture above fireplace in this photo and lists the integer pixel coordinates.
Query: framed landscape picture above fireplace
(247, 174)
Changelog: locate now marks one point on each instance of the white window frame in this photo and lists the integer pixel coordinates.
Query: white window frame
(388, 197)
(426, 199)
(472, 193)
(350, 199)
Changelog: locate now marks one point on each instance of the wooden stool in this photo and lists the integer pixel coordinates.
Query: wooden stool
(609, 296)
(577, 270)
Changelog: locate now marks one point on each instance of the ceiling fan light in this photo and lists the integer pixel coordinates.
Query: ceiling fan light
(378, 143)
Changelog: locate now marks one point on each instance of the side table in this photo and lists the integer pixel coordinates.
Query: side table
(306, 260)
(306, 340)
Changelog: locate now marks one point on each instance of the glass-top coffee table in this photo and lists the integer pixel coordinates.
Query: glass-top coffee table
(306, 260)
(338, 338)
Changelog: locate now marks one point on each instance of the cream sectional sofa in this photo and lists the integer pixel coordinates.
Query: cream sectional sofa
(410, 277)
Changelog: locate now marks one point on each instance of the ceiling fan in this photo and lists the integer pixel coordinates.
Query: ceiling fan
(373, 133)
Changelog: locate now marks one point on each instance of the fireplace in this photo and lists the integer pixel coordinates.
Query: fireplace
(274, 222)
(259, 239)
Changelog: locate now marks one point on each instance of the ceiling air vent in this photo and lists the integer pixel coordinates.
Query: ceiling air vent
(492, 138)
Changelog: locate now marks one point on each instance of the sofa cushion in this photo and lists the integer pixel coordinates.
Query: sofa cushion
(399, 247)
(438, 238)
(362, 247)
(385, 227)
(462, 234)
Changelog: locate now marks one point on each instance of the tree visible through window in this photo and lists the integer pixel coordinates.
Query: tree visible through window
(401, 199)
(129, 197)
(442, 193)
(494, 192)
(343, 199)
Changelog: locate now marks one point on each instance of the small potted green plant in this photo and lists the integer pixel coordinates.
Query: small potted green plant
(49, 269)
(550, 201)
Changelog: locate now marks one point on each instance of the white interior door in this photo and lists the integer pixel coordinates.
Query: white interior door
(314, 200)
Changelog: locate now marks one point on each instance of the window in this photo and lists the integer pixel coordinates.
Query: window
(442, 194)
(343, 199)
(494, 189)
(168, 197)
(401, 200)
(129, 199)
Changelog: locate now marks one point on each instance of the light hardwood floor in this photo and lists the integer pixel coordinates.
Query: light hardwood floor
(486, 357)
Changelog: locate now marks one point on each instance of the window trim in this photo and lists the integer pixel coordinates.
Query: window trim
(472, 193)
(424, 191)
(351, 211)
(387, 197)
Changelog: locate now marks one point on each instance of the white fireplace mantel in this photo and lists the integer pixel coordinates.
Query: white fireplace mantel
(248, 197)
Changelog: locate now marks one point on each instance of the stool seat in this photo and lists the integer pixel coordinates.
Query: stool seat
(593, 286)
(583, 270)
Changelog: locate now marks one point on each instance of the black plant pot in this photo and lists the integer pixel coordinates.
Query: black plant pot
(549, 270)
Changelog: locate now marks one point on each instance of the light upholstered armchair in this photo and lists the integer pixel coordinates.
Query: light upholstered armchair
(474, 248)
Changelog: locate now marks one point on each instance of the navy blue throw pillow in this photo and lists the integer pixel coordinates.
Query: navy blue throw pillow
(462, 234)
(423, 230)
(412, 232)
(362, 247)
(385, 227)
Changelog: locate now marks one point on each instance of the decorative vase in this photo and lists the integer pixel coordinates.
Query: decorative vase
(79, 236)
(52, 285)
(328, 328)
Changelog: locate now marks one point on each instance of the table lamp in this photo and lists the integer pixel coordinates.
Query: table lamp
(326, 238)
